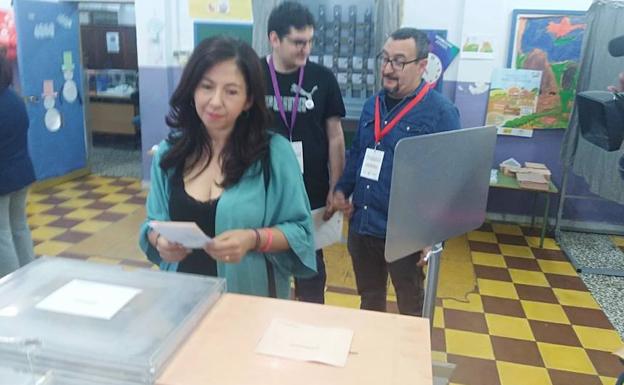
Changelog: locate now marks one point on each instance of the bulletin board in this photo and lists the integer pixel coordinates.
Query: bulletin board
(203, 30)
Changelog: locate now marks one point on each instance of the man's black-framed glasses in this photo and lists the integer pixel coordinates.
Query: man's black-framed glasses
(398, 64)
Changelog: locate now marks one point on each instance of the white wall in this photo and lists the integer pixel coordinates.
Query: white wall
(439, 14)
(5, 4)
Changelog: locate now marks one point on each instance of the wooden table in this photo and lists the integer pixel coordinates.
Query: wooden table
(386, 349)
(510, 182)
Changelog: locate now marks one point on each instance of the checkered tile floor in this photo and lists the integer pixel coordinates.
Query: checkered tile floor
(531, 322)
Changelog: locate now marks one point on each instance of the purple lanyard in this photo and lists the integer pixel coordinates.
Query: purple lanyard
(280, 102)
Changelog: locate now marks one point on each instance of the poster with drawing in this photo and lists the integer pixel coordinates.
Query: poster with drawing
(550, 42)
(478, 48)
(221, 10)
(513, 97)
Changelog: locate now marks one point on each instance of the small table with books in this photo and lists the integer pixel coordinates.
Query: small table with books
(510, 182)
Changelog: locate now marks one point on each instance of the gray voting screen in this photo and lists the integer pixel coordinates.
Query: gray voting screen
(439, 188)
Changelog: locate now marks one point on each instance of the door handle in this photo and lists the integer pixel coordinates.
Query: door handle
(31, 99)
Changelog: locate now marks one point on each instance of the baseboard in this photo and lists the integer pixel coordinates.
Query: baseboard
(566, 224)
(47, 183)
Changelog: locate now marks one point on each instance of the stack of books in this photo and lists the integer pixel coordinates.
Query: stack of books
(534, 176)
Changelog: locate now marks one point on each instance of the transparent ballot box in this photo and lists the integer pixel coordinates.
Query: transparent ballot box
(92, 323)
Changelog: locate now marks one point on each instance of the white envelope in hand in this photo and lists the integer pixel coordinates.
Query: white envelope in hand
(327, 232)
(188, 234)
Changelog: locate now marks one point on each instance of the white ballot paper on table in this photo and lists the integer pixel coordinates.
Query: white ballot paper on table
(327, 233)
(302, 342)
(88, 299)
(188, 234)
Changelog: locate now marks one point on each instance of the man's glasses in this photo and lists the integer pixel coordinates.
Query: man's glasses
(300, 43)
(398, 64)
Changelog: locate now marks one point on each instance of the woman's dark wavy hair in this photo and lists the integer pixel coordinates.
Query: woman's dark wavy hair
(249, 140)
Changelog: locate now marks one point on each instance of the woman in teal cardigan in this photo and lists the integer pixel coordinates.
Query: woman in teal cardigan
(222, 169)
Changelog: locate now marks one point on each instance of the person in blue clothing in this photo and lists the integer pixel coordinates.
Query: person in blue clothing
(16, 174)
(405, 107)
(222, 169)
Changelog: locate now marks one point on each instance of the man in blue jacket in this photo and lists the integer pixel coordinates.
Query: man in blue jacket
(405, 107)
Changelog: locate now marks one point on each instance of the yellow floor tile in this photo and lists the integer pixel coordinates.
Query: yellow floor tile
(69, 185)
(568, 358)
(510, 327)
(115, 198)
(557, 267)
(36, 208)
(497, 288)
(516, 251)
(473, 304)
(83, 214)
(41, 219)
(91, 226)
(507, 228)
(526, 277)
(51, 248)
(487, 259)
(617, 240)
(549, 243)
(608, 380)
(124, 208)
(438, 317)
(342, 300)
(76, 203)
(482, 236)
(516, 374)
(576, 298)
(438, 356)
(98, 180)
(107, 261)
(106, 189)
(598, 339)
(546, 312)
(468, 344)
(68, 193)
(45, 233)
(35, 197)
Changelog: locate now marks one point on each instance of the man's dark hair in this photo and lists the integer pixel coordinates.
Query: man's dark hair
(289, 14)
(6, 72)
(420, 39)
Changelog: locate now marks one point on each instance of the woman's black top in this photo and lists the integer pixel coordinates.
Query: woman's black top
(183, 207)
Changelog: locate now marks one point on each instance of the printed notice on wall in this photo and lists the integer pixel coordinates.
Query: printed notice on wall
(112, 42)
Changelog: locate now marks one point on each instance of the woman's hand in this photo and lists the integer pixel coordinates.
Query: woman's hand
(231, 246)
(170, 251)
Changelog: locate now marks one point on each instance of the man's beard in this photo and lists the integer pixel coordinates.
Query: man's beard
(391, 90)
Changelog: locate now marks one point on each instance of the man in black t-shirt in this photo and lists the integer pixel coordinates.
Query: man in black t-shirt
(314, 128)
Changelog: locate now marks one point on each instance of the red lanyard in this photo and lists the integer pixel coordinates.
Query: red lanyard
(379, 134)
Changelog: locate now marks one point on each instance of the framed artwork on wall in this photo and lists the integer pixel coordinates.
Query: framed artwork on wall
(548, 41)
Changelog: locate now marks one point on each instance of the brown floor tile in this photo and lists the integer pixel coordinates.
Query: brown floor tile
(552, 255)
(93, 195)
(587, 317)
(72, 237)
(52, 200)
(486, 227)
(100, 206)
(119, 182)
(36, 242)
(465, 320)
(522, 263)
(536, 293)
(60, 211)
(83, 187)
(109, 217)
(64, 223)
(473, 371)
(606, 364)
(392, 307)
(515, 240)
(560, 377)
(489, 272)
(136, 201)
(129, 191)
(438, 342)
(342, 290)
(438, 301)
(484, 247)
(565, 282)
(502, 306)
(50, 191)
(516, 351)
(554, 333)
(73, 255)
(531, 231)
